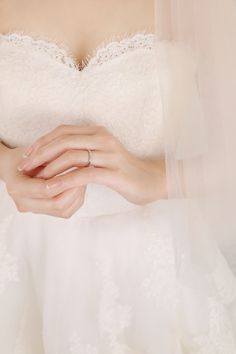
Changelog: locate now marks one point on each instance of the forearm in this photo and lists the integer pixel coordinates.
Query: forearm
(158, 171)
(4, 151)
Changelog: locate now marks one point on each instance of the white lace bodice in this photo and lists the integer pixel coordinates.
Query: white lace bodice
(42, 87)
(113, 276)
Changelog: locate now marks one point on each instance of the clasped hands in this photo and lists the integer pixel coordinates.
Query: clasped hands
(51, 178)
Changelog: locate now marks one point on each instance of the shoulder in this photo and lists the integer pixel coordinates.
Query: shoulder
(10, 15)
(5, 17)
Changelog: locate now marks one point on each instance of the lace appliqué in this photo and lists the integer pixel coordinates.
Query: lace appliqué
(76, 346)
(106, 51)
(114, 49)
(114, 318)
(57, 51)
(220, 337)
(160, 283)
(8, 262)
(224, 282)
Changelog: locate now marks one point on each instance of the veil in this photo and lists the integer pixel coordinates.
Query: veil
(196, 54)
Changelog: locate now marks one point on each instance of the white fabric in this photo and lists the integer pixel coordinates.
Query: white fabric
(104, 281)
(196, 48)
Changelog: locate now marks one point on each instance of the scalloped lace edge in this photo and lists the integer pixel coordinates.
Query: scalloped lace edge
(107, 50)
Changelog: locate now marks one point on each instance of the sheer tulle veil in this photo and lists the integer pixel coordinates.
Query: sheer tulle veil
(196, 53)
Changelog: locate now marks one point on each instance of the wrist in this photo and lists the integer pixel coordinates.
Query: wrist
(159, 187)
(5, 157)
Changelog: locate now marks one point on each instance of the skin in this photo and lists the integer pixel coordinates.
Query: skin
(32, 174)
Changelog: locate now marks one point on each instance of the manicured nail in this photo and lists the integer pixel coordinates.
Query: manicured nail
(25, 165)
(27, 152)
(53, 185)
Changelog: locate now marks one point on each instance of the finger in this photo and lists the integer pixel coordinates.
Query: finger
(60, 145)
(67, 210)
(57, 206)
(35, 188)
(62, 130)
(77, 158)
(34, 172)
(84, 176)
(28, 187)
(74, 206)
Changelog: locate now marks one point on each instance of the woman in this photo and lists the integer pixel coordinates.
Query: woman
(81, 141)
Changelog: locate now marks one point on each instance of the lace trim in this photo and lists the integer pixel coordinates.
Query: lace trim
(106, 51)
(8, 262)
(55, 50)
(115, 48)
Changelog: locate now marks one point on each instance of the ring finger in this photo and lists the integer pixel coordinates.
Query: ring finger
(77, 158)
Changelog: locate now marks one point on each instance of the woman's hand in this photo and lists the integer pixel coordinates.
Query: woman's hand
(32, 195)
(139, 181)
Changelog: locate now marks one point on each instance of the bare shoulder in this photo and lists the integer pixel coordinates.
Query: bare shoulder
(8, 14)
(3, 16)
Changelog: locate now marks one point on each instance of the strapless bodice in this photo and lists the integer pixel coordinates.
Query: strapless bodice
(42, 87)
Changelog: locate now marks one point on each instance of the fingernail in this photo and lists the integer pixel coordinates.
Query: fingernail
(25, 165)
(27, 152)
(53, 185)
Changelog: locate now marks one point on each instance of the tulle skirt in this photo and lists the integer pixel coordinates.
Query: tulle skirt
(102, 282)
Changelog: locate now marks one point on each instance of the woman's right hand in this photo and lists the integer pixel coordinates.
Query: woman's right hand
(30, 194)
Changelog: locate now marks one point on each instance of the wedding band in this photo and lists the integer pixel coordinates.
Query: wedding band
(89, 158)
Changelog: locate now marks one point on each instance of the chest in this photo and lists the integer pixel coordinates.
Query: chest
(82, 25)
(41, 88)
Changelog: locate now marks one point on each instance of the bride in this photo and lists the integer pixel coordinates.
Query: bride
(87, 253)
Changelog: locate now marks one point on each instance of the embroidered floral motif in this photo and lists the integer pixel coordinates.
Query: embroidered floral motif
(219, 339)
(161, 280)
(76, 347)
(160, 284)
(8, 262)
(114, 318)
(225, 285)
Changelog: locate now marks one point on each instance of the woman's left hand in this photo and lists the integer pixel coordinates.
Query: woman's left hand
(139, 181)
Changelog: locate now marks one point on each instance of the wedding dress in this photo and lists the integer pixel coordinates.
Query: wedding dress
(103, 281)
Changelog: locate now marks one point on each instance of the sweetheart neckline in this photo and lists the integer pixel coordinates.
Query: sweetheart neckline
(66, 53)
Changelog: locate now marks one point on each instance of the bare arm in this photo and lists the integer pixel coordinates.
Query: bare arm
(4, 152)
